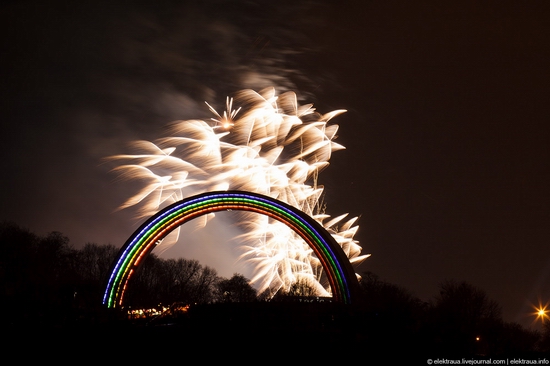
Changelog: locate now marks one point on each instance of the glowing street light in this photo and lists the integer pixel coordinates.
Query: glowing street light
(541, 312)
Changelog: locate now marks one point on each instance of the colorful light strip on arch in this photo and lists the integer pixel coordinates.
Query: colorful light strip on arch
(340, 273)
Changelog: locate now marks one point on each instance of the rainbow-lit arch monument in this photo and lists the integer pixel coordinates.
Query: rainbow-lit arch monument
(341, 276)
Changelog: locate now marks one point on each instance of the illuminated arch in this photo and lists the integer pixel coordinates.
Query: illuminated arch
(337, 266)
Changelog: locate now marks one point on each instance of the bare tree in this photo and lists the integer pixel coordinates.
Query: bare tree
(235, 289)
(464, 318)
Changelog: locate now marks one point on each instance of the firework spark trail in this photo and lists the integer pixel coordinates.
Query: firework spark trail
(271, 146)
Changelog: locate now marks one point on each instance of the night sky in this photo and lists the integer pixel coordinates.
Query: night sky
(446, 134)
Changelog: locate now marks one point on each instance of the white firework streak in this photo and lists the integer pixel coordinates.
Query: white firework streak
(274, 147)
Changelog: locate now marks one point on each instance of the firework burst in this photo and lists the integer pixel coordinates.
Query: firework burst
(270, 145)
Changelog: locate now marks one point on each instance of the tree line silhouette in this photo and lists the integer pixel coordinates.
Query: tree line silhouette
(45, 282)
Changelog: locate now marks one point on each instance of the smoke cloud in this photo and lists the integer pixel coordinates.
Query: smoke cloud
(86, 80)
